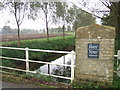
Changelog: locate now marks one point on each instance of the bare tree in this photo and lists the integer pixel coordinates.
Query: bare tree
(115, 12)
(19, 13)
(18, 10)
(43, 10)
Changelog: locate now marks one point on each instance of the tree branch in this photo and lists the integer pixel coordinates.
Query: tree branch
(22, 15)
(107, 4)
(15, 13)
(88, 12)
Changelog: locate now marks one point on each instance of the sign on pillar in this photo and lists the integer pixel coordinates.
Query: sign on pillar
(93, 50)
(95, 53)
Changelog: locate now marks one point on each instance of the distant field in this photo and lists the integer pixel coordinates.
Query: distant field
(13, 37)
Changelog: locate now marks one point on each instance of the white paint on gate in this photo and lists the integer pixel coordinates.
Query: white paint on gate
(39, 50)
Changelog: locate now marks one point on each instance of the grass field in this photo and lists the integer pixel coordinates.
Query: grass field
(13, 37)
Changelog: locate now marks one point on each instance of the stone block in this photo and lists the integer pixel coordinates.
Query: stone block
(100, 68)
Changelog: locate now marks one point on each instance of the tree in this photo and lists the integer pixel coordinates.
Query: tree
(113, 19)
(112, 7)
(6, 30)
(78, 17)
(46, 8)
(61, 14)
(18, 10)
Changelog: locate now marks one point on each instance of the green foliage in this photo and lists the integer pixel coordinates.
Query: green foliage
(117, 45)
(56, 43)
(97, 85)
(116, 82)
(41, 77)
(61, 10)
(109, 20)
(82, 19)
(86, 84)
(79, 17)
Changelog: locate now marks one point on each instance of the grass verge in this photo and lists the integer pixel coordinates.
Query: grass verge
(25, 79)
(22, 80)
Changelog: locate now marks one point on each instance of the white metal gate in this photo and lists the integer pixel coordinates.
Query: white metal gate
(27, 60)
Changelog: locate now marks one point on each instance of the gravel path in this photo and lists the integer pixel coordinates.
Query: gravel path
(16, 85)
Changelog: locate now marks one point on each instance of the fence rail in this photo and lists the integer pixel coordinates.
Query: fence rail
(49, 63)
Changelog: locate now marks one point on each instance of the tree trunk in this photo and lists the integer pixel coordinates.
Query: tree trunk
(64, 32)
(47, 31)
(47, 25)
(64, 29)
(18, 35)
(118, 26)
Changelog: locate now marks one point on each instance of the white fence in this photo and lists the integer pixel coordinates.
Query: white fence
(39, 50)
(118, 57)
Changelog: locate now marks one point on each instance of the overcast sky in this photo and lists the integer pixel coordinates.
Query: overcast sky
(5, 17)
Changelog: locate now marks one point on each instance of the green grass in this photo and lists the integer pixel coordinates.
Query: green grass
(22, 80)
(9, 43)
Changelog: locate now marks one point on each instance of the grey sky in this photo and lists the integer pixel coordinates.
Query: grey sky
(5, 17)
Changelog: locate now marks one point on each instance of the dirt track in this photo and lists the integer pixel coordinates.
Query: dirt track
(13, 37)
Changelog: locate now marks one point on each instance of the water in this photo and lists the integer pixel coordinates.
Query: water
(66, 59)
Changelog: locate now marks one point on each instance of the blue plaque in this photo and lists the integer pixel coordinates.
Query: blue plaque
(93, 50)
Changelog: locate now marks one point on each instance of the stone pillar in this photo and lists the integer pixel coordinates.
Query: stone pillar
(95, 53)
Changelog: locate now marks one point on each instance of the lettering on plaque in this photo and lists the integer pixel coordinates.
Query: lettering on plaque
(93, 50)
